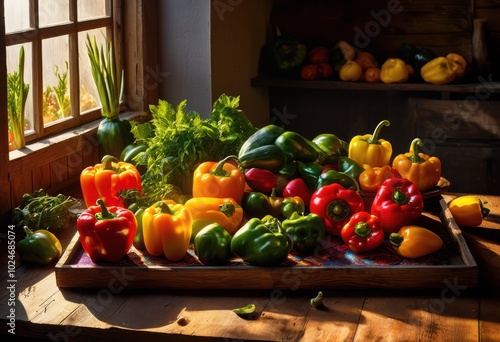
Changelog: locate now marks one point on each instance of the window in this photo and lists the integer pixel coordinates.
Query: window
(61, 93)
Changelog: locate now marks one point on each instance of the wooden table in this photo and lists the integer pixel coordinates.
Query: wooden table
(451, 313)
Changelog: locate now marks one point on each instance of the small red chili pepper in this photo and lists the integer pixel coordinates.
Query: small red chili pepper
(335, 204)
(261, 180)
(362, 233)
(106, 233)
(397, 203)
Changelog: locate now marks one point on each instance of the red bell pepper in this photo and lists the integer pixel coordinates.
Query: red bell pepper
(335, 204)
(107, 179)
(261, 180)
(106, 233)
(397, 203)
(362, 233)
(298, 187)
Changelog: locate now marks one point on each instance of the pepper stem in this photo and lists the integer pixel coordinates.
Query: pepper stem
(218, 170)
(317, 301)
(227, 209)
(104, 214)
(361, 229)
(374, 138)
(164, 208)
(415, 158)
(396, 239)
(28, 231)
(399, 197)
(484, 211)
(107, 161)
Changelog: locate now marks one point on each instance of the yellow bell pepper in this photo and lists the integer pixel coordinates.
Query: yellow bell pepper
(468, 210)
(421, 169)
(458, 64)
(394, 70)
(438, 71)
(166, 226)
(415, 241)
(369, 149)
(207, 210)
(351, 71)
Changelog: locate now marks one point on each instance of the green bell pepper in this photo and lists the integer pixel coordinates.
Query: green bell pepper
(291, 205)
(139, 235)
(333, 176)
(350, 167)
(258, 204)
(212, 245)
(283, 56)
(307, 232)
(262, 242)
(113, 135)
(310, 173)
(331, 145)
(39, 247)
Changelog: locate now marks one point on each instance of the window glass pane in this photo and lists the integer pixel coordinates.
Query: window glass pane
(56, 79)
(13, 87)
(91, 9)
(52, 12)
(89, 97)
(16, 15)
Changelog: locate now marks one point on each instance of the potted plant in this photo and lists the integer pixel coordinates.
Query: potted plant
(113, 133)
(17, 93)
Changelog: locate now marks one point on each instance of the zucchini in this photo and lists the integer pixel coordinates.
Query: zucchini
(264, 136)
(268, 157)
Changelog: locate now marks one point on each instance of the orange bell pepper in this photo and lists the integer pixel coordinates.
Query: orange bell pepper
(458, 64)
(166, 226)
(370, 179)
(207, 210)
(366, 60)
(219, 179)
(369, 149)
(107, 179)
(421, 169)
(468, 210)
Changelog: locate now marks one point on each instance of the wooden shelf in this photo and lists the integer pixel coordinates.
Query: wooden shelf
(341, 85)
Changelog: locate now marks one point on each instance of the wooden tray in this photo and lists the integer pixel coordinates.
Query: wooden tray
(334, 267)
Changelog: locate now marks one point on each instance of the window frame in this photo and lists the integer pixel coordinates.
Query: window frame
(137, 21)
(71, 29)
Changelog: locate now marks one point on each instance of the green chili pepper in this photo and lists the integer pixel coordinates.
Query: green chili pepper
(262, 242)
(307, 232)
(40, 247)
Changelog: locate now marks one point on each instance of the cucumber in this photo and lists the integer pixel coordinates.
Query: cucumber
(268, 157)
(264, 136)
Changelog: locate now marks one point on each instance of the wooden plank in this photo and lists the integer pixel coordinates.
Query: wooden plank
(489, 319)
(21, 185)
(338, 320)
(41, 177)
(415, 318)
(58, 171)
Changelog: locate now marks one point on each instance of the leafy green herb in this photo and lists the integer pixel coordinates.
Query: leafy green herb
(177, 141)
(42, 211)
